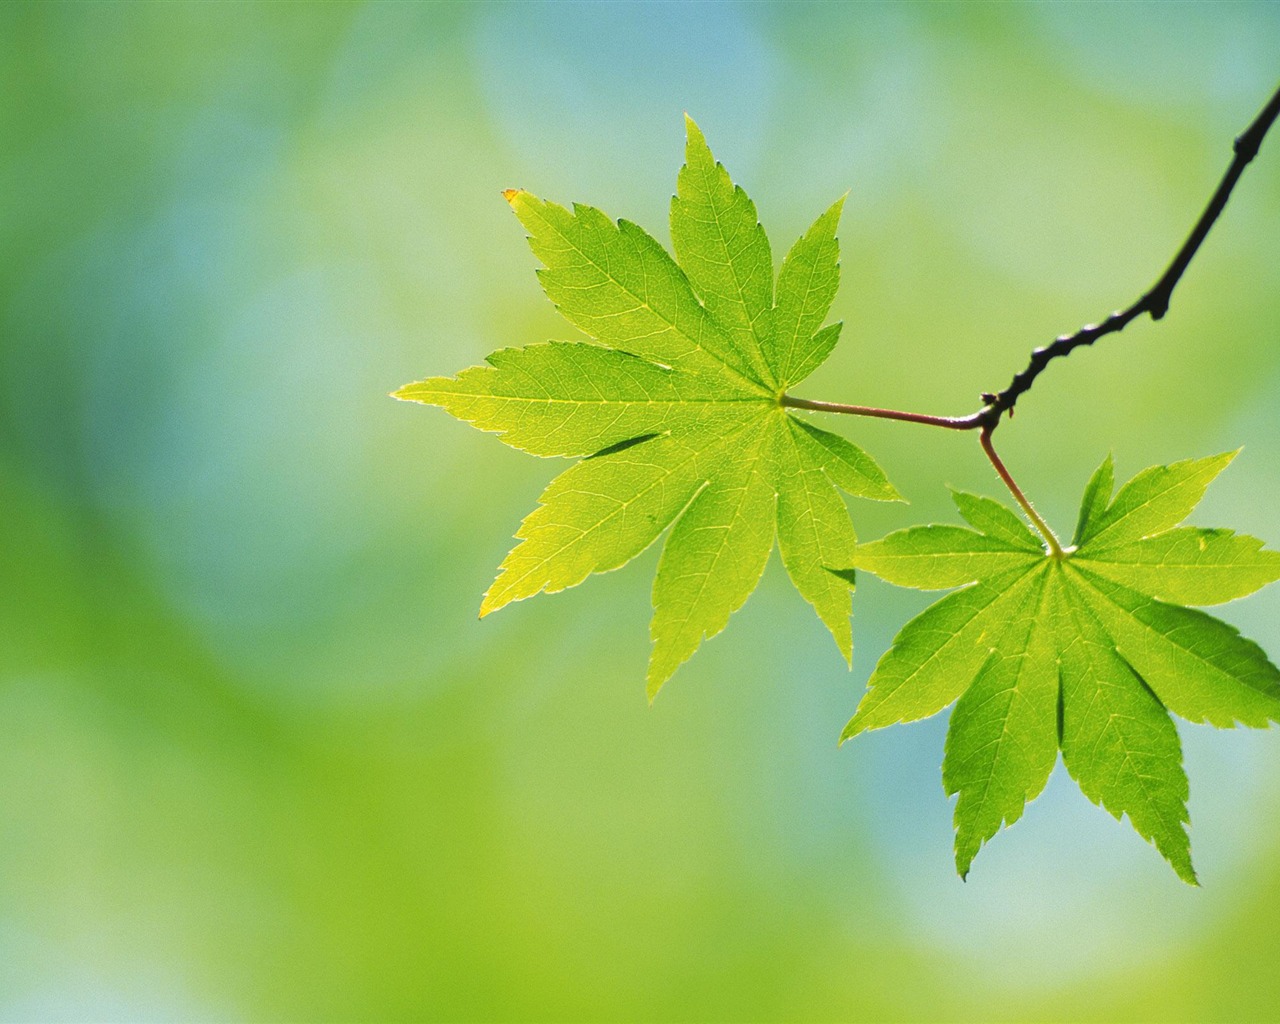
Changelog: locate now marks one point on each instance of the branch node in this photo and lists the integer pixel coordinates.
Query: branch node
(1246, 147)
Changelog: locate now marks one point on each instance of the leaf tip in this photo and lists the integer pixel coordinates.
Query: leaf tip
(831, 217)
(512, 194)
(414, 391)
(1184, 869)
(651, 688)
(1220, 461)
(490, 604)
(424, 392)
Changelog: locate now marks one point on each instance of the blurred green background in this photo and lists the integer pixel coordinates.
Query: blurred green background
(258, 758)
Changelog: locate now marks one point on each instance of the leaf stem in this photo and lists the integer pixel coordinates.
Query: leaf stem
(1050, 538)
(950, 422)
(985, 419)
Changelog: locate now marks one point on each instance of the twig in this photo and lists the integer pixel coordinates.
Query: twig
(1156, 301)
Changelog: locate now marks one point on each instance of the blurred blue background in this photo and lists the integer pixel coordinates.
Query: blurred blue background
(259, 759)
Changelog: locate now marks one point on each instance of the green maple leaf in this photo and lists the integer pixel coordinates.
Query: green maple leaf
(1086, 653)
(675, 409)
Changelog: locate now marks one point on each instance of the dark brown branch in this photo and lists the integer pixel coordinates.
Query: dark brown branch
(1155, 302)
